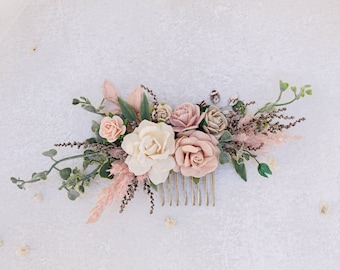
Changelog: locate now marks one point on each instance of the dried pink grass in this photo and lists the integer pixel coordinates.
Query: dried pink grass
(117, 188)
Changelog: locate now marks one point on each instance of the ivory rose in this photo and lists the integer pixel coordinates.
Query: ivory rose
(111, 128)
(150, 148)
(216, 122)
(110, 93)
(162, 113)
(196, 153)
(185, 117)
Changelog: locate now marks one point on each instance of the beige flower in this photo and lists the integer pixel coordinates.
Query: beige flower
(162, 113)
(150, 148)
(196, 153)
(112, 128)
(23, 250)
(216, 122)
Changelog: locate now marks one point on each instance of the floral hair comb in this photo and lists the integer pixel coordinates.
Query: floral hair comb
(174, 151)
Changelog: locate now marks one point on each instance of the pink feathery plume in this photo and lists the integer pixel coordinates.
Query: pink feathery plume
(117, 188)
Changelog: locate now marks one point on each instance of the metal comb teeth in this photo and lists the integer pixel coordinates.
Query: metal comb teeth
(180, 189)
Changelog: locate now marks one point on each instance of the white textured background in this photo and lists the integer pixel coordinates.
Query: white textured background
(181, 50)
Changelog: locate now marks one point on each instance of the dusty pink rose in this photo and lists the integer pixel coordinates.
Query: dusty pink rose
(185, 117)
(135, 99)
(110, 93)
(196, 153)
(112, 128)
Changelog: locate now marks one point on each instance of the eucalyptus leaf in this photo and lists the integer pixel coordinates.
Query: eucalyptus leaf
(89, 108)
(50, 153)
(240, 168)
(14, 180)
(127, 110)
(224, 157)
(144, 108)
(65, 173)
(75, 101)
(264, 169)
(95, 126)
(226, 137)
(72, 194)
(103, 172)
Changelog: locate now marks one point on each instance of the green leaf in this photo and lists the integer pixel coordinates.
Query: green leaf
(224, 157)
(50, 153)
(283, 86)
(155, 187)
(39, 176)
(293, 88)
(127, 110)
(103, 172)
(75, 101)
(196, 180)
(309, 92)
(72, 194)
(65, 173)
(239, 106)
(81, 189)
(89, 108)
(240, 169)
(264, 169)
(204, 108)
(95, 126)
(14, 180)
(144, 108)
(226, 137)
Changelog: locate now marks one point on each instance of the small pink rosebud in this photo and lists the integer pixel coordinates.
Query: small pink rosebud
(135, 99)
(110, 93)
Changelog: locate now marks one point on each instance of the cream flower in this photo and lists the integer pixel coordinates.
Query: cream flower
(150, 147)
(112, 128)
(162, 113)
(196, 153)
(216, 122)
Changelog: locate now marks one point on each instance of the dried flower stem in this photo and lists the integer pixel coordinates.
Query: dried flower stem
(130, 193)
(147, 188)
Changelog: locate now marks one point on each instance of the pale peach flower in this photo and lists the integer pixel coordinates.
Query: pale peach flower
(196, 153)
(110, 93)
(186, 117)
(162, 113)
(135, 99)
(111, 128)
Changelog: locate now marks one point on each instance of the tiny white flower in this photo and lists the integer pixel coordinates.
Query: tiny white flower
(170, 222)
(324, 209)
(23, 250)
(233, 99)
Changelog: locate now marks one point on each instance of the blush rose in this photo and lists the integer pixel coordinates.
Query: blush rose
(111, 128)
(196, 153)
(186, 117)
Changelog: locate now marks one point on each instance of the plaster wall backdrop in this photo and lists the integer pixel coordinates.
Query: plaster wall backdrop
(58, 50)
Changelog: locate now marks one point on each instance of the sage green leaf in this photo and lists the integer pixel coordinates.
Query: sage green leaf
(283, 86)
(81, 189)
(155, 187)
(89, 108)
(226, 137)
(72, 194)
(14, 180)
(224, 157)
(65, 173)
(95, 126)
(309, 92)
(127, 110)
(50, 153)
(144, 108)
(75, 101)
(196, 180)
(240, 168)
(103, 172)
(264, 169)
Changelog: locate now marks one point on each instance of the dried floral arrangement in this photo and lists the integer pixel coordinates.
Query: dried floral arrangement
(141, 141)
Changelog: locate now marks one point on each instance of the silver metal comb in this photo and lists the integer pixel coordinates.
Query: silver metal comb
(179, 189)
